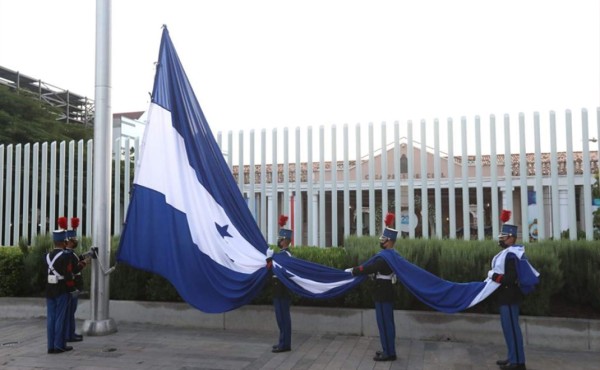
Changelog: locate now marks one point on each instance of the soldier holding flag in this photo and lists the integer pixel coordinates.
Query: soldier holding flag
(281, 295)
(74, 288)
(57, 297)
(383, 295)
(511, 269)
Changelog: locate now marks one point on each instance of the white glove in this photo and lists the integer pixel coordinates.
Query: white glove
(348, 270)
(490, 273)
(269, 253)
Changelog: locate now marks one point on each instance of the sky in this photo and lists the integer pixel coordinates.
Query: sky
(276, 63)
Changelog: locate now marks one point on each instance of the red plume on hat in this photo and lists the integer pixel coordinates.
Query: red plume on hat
(505, 215)
(74, 223)
(62, 223)
(282, 220)
(389, 219)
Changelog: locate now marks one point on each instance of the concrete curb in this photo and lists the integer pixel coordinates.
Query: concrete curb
(544, 332)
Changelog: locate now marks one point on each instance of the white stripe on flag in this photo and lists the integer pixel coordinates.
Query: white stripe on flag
(488, 289)
(315, 287)
(165, 169)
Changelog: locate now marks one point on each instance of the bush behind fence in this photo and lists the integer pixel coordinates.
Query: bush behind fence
(570, 272)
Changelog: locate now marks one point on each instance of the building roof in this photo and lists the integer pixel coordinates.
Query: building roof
(130, 115)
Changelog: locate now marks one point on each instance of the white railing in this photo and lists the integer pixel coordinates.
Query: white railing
(330, 188)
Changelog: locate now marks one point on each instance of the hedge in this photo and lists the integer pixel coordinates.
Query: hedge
(570, 272)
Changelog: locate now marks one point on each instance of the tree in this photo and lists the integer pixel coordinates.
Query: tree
(25, 119)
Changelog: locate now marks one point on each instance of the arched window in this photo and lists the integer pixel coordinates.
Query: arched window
(403, 164)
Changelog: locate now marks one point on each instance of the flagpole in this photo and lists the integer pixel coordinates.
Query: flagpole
(100, 323)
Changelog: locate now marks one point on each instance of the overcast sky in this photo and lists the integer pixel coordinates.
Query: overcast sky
(275, 63)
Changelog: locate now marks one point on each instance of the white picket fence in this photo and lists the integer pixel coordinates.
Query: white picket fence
(335, 182)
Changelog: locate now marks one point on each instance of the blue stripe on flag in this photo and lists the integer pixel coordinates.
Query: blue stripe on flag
(437, 293)
(187, 220)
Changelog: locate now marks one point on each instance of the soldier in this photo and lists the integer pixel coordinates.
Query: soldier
(76, 286)
(515, 275)
(281, 295)
(57, 296)
(383, 295)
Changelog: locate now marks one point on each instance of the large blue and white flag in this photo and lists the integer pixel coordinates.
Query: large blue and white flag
(187, 220)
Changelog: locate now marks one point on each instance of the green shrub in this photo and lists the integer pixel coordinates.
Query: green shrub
(333, 257)
(35, 264)
(580, 264)
(570, 271)
(360, 248)
(158, 288)
(12, 272)
(545, 260)
(464, 262)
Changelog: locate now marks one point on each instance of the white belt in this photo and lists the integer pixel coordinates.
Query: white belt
(51, 270)
(383, 277)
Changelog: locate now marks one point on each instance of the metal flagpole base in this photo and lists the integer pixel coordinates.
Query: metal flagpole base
(99, 327)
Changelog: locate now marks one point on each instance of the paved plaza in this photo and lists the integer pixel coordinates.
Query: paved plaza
(147, 346)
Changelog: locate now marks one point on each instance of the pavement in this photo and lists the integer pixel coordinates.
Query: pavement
(153, 346)
(169, 335)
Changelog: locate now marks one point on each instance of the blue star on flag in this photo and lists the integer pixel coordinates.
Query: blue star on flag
(223, 230)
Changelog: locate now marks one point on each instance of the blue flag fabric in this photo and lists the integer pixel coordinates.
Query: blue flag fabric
(437, 293)
(528, 276)
(312, 280)
(187, 220)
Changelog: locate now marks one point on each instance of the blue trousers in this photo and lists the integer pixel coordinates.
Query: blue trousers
(509, 318)
(384, 312)
(56, 312)
(70, 325)
(284, 321)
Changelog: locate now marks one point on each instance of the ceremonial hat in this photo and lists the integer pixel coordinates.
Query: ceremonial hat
(60, 234)
(388, 232)
(509, 230)
(283, 232)
(74, 225)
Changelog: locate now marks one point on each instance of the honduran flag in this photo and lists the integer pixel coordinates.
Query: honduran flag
(187, 220)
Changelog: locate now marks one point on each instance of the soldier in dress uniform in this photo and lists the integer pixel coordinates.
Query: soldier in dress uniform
(74, 288)
(281, 295)
(57, 296)
(509, 297)
(383, 294)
